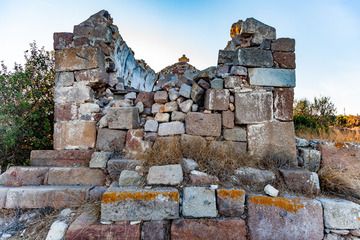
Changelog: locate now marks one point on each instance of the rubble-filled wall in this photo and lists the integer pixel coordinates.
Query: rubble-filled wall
(107, 100)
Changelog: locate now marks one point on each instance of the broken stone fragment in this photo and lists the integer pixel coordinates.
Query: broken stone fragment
(202, 178)
(129, 178)
(271, 191)
(189, 164)
(196, 92)
(185, 106)
(301, 181)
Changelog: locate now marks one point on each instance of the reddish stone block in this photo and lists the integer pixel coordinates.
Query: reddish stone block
(110, 140)
(208, 229)
(203, 124)
(22, 176)
(230, 202)
(65, 112)
(134, 142)
(301, 181)
(60, 158)
(155, 230)
(147, 98)
(283, 45)
(75, 176)
(62, 40)
(284, 59)
(228, 119)
(283, 103)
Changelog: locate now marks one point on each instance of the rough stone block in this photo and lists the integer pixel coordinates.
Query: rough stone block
(235, 134)
(78, 93)
(65, 112)
(129, 178)
(301, 181)
(229, 229)
(233, 81)
(110, 140)
(60, 158)
(123, 117)
(128, 204)
(284, 60)
(253, 178)
(99, 159)
(116, 166)
(74, 135)
(217, 99)
(217, 83)
(204, 84)
(135, 144)
(92, 76)
(72, 59)
(75, 176)
(151, 126)
(169, 107)
(197, 93)
(272, 77)
(201, 178)
(310, 159)
(185, 90)
(171, 128)
(147, 98)
(186, 105)
(230, 202)
(64, 79)
(173, 94)
(283, 103)
(273, 140)
(238, 148)
(227, 57)
(178, 116)
(155, 230)
(23, 176)
(283, 45)
(203, 124)
(62, 40)
(161, 97)
(238, 71)
(340, 214)
(46, 196)
(257, 30)
(255, 57)
(162, 117)
(253, 107)
(273, 217)
(165, 175)
(199, 202)
(228, 119)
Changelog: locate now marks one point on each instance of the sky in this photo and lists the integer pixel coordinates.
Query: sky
(327, 34)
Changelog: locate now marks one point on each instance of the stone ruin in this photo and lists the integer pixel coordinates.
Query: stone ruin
(110, 108)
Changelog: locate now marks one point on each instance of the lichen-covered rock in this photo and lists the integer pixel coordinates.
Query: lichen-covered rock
(230, 202)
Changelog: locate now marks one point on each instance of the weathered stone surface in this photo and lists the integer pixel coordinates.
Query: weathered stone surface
(86, 226)
(199, 202)
(65, 112)
(78, 93)
(99, 159)
(301, 181)
(217, 83)
(189, 164)
(155, 230)
(185, 90)
(116, 166)
(75, 176)
(283, 45)
(277, 141)
(3, 193)
(197, 92)
(123, 117)
(204, 84)
(178, 116)
(46, 196)
(162, 117)
(227, 57)
(130, 95)
(272, 218)
(310, 159)
(171, 128)
(253, 178)
(230, 202)
(233, 82)
(165, 175)
(62, 40)
(23, 176)
(57, 230)
(235, 134)
(129, 178)
(284, 60)
(238, 71)
(64, 79)
(92, 76)
(120, 204)
(135, 144)
(74, 135)
(173, 94)
(151, 126)
(222, 71)
(72, 59)
(110, 140)
(340, 214)
(203, 124)
(253, 107)
(228, 119)
(283, 103)
(189, 141)
(161, 97)
(169, 107)
(185, 106)
(230, 146)
(255, 57)
(201, 178)
(217, 99)
(147, 98)
(272, 77)
(258, 30)
(271, 191)
(229, 229)
(60, 158)
(301, 142)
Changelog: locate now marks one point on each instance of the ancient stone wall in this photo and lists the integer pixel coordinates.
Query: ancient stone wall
(103, 94)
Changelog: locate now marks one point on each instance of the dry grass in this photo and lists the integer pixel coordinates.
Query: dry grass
(333, 134)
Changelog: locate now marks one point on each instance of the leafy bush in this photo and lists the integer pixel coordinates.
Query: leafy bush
(26, 109)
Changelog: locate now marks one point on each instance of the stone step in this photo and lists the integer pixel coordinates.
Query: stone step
(43, 196)
(29, 176)
(60, 158)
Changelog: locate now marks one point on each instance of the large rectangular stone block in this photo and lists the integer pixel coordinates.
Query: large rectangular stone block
(217, 99)
(283, 104)
(273, 140)
(23, 176)
(60, 158)
(74, 135)
(255, 57)
(230, 202)
(253, 107)
(123, 117)
(284, 218)
(131, 203)
(199, 202)
(171, 128)
(75, 176)
(272, 77)
(78, 93)
(72, 59)
(110, 140)
(202, 124)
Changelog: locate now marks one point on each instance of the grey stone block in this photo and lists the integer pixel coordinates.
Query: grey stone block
(171, 128)
(199, 202)
(272, 77)
(123, 118)
(254, 57)
(166, 175)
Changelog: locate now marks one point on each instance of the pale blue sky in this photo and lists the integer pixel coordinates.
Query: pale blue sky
(327, 34)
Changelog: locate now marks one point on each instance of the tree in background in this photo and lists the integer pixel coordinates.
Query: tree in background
(26, 109)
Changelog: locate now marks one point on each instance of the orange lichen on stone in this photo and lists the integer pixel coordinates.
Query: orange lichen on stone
(112, 197)
(290, 205)
(235, 194)
(235, 30)
(339, 145)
